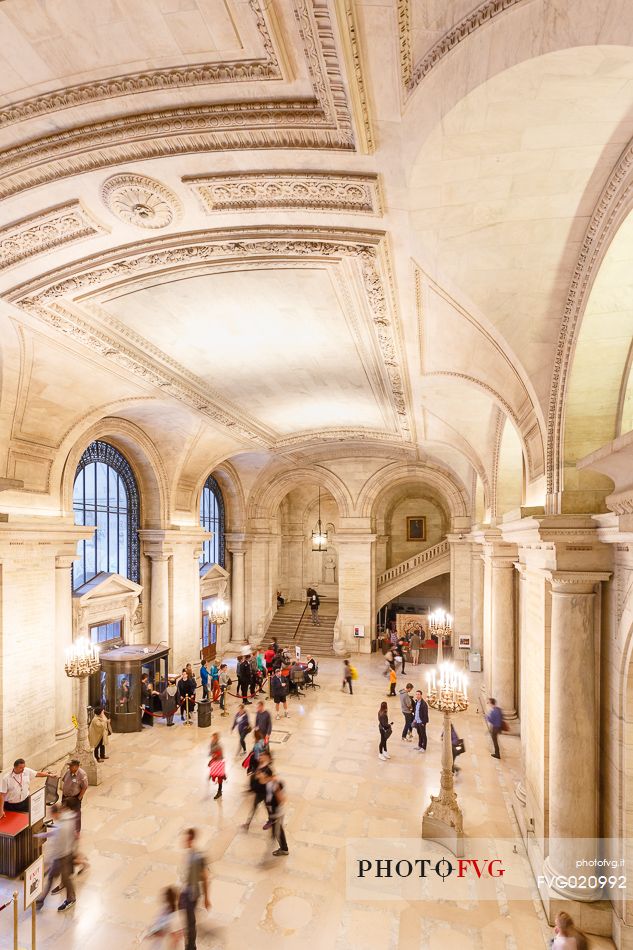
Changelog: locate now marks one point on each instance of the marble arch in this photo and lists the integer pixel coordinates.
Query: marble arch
(454, 495)
(275, 485)
(143, 458)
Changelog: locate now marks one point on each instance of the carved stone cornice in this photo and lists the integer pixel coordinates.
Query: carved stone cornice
(412, 74)
(53, 302)
(46, 231)
(314, 191)
(250, 70)
(575, 582)
(321, 122)
(350, 42)
(612, 207)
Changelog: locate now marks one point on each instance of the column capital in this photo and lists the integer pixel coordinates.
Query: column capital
(237, 550)
(161, 542)
(65, 561)
(575, 582)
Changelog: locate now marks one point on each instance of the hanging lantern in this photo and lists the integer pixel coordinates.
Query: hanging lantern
(319, 537)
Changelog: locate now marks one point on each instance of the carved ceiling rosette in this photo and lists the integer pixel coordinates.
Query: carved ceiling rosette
(140, 201)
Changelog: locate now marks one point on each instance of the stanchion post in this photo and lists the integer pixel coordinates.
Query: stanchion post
(15, 920)
(33, 926)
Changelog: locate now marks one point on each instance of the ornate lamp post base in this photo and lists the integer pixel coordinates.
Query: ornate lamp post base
(443, 820)
(83, 659)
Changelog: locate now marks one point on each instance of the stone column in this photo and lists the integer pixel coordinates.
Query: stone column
(159, 598)
(238, 607)
(64, 728)
(477, 599)
(502, 635)
(573, 726)
(357, 595)
(520, 789)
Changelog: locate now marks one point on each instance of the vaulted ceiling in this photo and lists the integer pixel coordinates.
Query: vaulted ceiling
(288, 226)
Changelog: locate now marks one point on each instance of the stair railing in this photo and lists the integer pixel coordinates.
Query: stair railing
(294, 636)
(437, 550)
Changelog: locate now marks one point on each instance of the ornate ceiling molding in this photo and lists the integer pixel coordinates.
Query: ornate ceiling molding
(612, 207)
(143, 202)
(46, 231)
(322, 122)
(55, 301)
(250, 70)
(350, 41)
(314, 191)
(412, 75)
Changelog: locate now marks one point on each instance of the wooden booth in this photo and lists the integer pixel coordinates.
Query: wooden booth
(121, 671)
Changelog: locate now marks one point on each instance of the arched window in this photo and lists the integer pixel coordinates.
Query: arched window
(105, 494)
(212, 519)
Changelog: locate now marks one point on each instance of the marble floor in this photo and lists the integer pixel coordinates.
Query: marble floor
(155, 784)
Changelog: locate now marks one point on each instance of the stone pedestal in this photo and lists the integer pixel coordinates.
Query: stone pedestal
(443, 820)
(82, 750)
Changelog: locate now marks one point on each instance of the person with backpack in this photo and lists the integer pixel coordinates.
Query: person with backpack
(279, 692)
(244, 678)
(348, 676)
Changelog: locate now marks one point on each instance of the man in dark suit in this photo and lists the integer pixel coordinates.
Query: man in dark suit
(420, 720)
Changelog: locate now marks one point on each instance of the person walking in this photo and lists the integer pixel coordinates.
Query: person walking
(347, 676)
(400, 652)
(225, 682)
(263, 722)
(275, 801)
(195, 885)
(217, 767)
(258, 781)
(98, 732)
(254, 674)
(204, 679)
(167, 930)
(279, 691)
(74, 787)
(420, 720)
(385, 729)
(414, 646)
(406, 705)
(243, 727)
(315, 603)
(494, 719)
(392, 683)
(62, 838)
(169, 700)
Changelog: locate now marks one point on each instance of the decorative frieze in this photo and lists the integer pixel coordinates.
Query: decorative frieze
(312, 191)
(199, 74)
(46, 231)
(322, 122)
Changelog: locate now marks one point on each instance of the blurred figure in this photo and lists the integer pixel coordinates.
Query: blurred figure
(258, 781)
(169, 699)
(384, 727)
(62, 838)
(195, 885)
(166, 932)
(347, 676)
(494, 719)
(263, 722)
(566, 935)
(392, 683)
(225, 682)
(243, 727)
(217, 767)
(275, 801)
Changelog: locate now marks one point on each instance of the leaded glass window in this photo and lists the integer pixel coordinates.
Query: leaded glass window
(105, 494)
(212, 519)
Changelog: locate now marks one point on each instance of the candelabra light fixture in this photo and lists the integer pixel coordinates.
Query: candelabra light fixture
(441, 626)
(319, 537)
(447, 691)
(82, 660)
(219, 611)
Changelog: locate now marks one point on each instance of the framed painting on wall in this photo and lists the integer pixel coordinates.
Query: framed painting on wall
(416, 529)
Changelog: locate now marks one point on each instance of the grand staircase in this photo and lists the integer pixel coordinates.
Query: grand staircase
(312, 639)
(416, 570)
